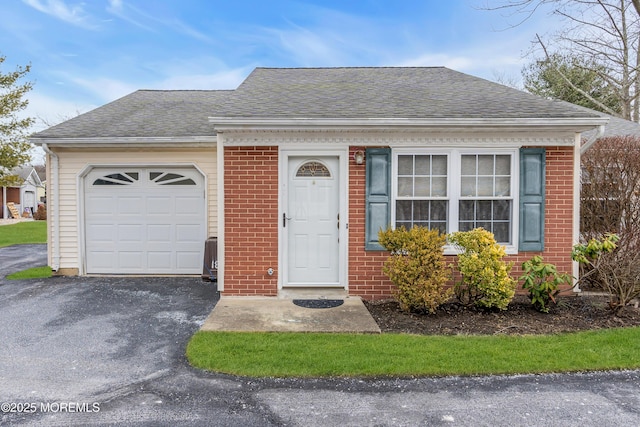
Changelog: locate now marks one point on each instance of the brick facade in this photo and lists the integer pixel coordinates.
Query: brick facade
(251, 220)
(365, 267)
(251, 223)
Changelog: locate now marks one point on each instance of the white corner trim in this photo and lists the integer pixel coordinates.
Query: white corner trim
(220, 208)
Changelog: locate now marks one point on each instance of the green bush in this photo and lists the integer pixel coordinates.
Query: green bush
(542, 281)
(486, 282)
(417, 267)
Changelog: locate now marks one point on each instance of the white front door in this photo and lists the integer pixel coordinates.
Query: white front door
(312, 221)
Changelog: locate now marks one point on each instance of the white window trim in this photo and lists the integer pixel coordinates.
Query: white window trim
(454, 156)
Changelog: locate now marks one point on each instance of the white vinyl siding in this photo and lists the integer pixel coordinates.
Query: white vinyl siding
(73, 162)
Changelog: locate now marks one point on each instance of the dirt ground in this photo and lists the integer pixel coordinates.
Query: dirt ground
(572, 313)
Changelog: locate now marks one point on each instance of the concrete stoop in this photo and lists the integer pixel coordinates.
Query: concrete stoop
(280, 314)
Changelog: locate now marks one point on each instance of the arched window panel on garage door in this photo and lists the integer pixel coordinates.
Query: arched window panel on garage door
(120, 178)
(170, 178)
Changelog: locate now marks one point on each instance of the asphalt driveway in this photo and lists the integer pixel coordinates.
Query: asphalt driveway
(110, 351)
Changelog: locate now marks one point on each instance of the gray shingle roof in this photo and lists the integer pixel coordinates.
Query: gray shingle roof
(615, 127)
(146, 113)
(356, 93)
(380, 92)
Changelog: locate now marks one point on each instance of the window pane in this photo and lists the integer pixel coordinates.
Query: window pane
(403, 210)
(423, 185)
(485, 186)
(502, 210)
(503, 165)
(406, 225)
(467, 210)
(405, 187)
(422, 165)
(405, 165)
(468, 165)
(439, 187)
(492, 215)
(421, 210)
(439, 210)
(483, 210)
(501, 232)
(465, 226)
(439, 165)
(483, 224)
(468, 187)
(440, 226)
(503, 186)
(485, 165)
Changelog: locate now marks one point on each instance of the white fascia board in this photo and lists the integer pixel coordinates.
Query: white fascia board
(186, 141)
(581, 124)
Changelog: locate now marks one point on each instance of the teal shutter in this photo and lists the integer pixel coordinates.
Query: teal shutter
(532, 199)
(378, 195)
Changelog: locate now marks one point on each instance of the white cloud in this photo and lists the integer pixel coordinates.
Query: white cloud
(49, 111)
(75, 15)
(227, 79)
(105, 89)
(454, 62)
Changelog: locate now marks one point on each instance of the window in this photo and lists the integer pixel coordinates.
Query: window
(422, 191)
(125, 178)
(313, 169)
(456, 190)
(485, 194)
(169, 178)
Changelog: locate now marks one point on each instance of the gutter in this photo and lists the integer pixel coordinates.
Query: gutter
(575, 124)
(592, 140)
(55, 190)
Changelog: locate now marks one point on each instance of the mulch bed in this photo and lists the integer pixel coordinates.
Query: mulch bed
(572, 313)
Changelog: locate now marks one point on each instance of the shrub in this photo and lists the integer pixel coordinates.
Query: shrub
(486, 282)
(542, 281)
(610, 203)
(613, 267)
(41, 213)
(416, 267)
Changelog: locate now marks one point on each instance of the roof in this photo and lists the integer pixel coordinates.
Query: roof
(27, 174)
(384, 92)
(146, 113)
(313, 93)
(616, 127)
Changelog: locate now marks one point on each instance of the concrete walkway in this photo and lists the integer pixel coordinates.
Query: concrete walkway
(280, 314)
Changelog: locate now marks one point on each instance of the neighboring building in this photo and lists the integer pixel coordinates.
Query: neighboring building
(25, 195)
(296, 170)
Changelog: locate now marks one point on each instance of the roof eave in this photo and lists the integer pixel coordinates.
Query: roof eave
(106, 142)
(574, 124)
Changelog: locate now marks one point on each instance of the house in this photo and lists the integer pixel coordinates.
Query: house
(296, 170)
(24, 194)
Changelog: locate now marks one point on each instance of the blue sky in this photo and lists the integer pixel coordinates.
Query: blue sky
(86, 53)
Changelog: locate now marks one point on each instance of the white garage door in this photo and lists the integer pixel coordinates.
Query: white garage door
(144, 221)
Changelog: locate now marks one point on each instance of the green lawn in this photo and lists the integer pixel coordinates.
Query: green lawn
(23, 232)
(31, 273)
(399, 355)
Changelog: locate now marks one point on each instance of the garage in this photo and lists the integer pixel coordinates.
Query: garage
(144, 220)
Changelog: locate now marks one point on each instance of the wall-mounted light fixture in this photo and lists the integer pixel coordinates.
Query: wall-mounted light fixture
(358, 156)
